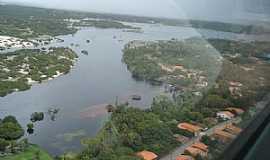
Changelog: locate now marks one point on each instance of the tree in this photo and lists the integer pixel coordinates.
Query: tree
(3, 144)
(30, 126)
(11, 119)
(11, 131)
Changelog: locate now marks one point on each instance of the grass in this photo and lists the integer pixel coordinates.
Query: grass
(29, 154)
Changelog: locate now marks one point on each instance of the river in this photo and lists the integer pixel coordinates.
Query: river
(95, 80)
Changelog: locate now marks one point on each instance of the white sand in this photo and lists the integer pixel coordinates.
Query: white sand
(57, 74)
(13, 42)
(30, 81)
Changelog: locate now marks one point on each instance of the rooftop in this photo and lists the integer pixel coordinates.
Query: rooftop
(235, 110)
(147, 155)
(224, 134)
(227, 113)
(194, 151)
(184, 157)
(200, 146)
(233, 129)
(189, 127)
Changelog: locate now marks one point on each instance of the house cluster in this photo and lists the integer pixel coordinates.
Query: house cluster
(223, 134)
(197, 148)
(229, 113)
(226, 134)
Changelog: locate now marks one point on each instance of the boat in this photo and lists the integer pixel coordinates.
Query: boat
(84, 52)
(88, 41)
(136, 97)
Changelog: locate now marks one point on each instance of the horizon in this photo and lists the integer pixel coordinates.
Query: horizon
(174, 9)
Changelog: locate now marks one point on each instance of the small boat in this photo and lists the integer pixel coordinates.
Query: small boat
(88, 41)
(136, 97)
(84, 52)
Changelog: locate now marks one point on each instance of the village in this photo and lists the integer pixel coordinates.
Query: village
(225, 131)
(182, 70)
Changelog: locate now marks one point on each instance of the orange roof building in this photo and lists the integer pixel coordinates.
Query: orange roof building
(189, 127)
(233, 129)
(223, 136)
(237, 111)
(195, 152)
(200, 146)
(184, 157)
(147, 155)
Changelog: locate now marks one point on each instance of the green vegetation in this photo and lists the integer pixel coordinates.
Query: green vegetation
(217, 26)
(37, 116)
(31, 152)
(187, 63)
(10, 129)
(11, 148)
(20, 68)
(27, 22)
(244, 49)
(130, 130)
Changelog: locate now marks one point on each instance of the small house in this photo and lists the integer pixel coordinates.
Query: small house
(225, 115)
(200, 146)
(194, 129)
(233, 129)
(147, 155)
(194, 152)
(223, 136)
(234, 110)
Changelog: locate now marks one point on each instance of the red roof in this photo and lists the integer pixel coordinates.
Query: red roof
(146, 155)
(189, 127)
(184, 157)
(200, 146)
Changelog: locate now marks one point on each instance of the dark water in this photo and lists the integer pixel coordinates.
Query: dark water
(96, 79)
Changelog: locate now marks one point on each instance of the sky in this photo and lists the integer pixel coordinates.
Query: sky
(222, 10)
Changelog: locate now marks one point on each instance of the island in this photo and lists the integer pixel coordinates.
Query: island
(20, 69)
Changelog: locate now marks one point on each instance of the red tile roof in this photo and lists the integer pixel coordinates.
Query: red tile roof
(147, 155)
(189, 127)
(184, 157)
(200, 146)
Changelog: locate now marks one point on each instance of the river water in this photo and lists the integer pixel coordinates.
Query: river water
(95, 80)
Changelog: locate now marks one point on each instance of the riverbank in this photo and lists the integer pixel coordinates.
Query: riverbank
(30, 152)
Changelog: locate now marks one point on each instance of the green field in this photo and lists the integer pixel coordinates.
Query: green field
(29, 154)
